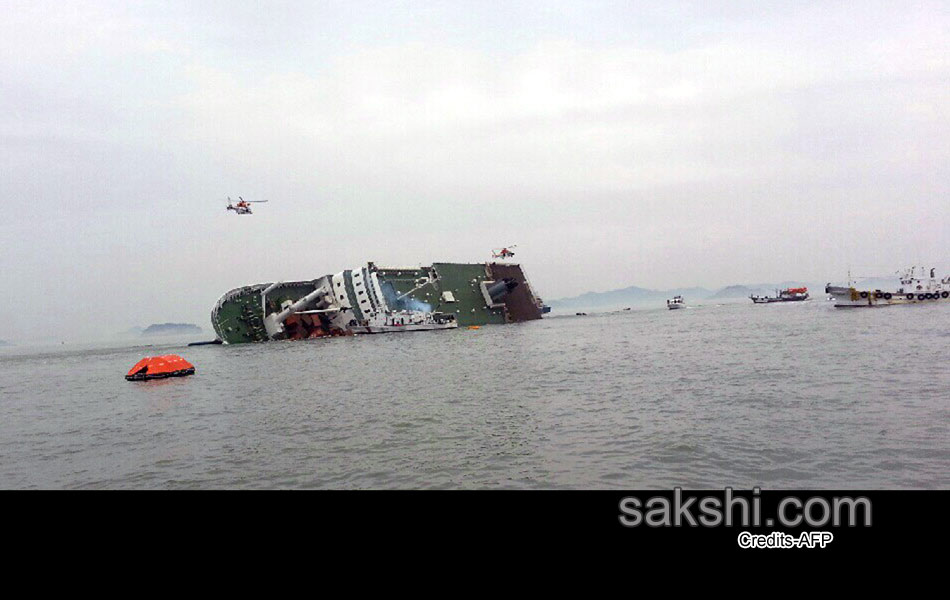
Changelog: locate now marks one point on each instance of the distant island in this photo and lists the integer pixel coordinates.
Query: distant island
(633, 295)
(736, 291)
(171, 329)
(625, 297)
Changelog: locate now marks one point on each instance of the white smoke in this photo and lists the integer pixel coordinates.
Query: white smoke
(404, 303)
(408, 303)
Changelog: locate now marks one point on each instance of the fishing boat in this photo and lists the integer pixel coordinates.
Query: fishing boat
(676, 302)
(914, 289)
(786, 295)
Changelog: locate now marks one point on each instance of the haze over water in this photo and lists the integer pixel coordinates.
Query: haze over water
(613, 142)
(781, 396)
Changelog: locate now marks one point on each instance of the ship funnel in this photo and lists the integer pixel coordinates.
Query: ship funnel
(498, 290)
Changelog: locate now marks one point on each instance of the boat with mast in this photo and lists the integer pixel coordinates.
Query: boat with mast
(786, 295)
(916, 288)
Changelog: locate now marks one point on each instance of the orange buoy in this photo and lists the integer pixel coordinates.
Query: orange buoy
(474, 327)
(159, 367)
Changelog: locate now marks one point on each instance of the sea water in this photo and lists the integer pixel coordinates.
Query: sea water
(794, 395)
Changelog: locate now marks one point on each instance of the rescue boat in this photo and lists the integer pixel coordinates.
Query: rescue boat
(405, 320)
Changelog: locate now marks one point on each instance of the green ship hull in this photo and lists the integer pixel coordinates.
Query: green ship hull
(474, 293)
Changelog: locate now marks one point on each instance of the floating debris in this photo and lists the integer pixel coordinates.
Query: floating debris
(209, 343)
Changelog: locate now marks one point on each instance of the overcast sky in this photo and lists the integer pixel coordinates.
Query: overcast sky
(657, 144)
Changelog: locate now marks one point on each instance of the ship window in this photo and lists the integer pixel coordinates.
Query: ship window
(339, 283)
(358, 283)
(341, 296)
(361, 292)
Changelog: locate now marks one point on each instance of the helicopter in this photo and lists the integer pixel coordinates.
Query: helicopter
(243, 207)
(503, 252)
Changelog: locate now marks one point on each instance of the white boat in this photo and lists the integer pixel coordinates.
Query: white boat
(913, 290)
(405, 320)
(676, 302)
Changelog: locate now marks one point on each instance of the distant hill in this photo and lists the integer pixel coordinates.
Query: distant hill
(626, 297)
(736, 291)
(874, 283)
(5, 343)
(171, 329)
(636, 295)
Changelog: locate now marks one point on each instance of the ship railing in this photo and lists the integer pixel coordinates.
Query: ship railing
(527, 281)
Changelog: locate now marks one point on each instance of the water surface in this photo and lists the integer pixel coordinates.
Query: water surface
(796, 395)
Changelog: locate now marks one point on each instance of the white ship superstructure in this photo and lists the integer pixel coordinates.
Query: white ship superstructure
(354, 301)
(405, 320)
(914, 290)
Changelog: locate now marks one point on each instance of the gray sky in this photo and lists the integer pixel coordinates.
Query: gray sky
(656, 144)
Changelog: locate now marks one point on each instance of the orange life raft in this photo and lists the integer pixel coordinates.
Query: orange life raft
(159, 367)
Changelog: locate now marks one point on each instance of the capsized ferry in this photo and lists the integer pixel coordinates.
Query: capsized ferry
(375, 299)
(914, 290)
